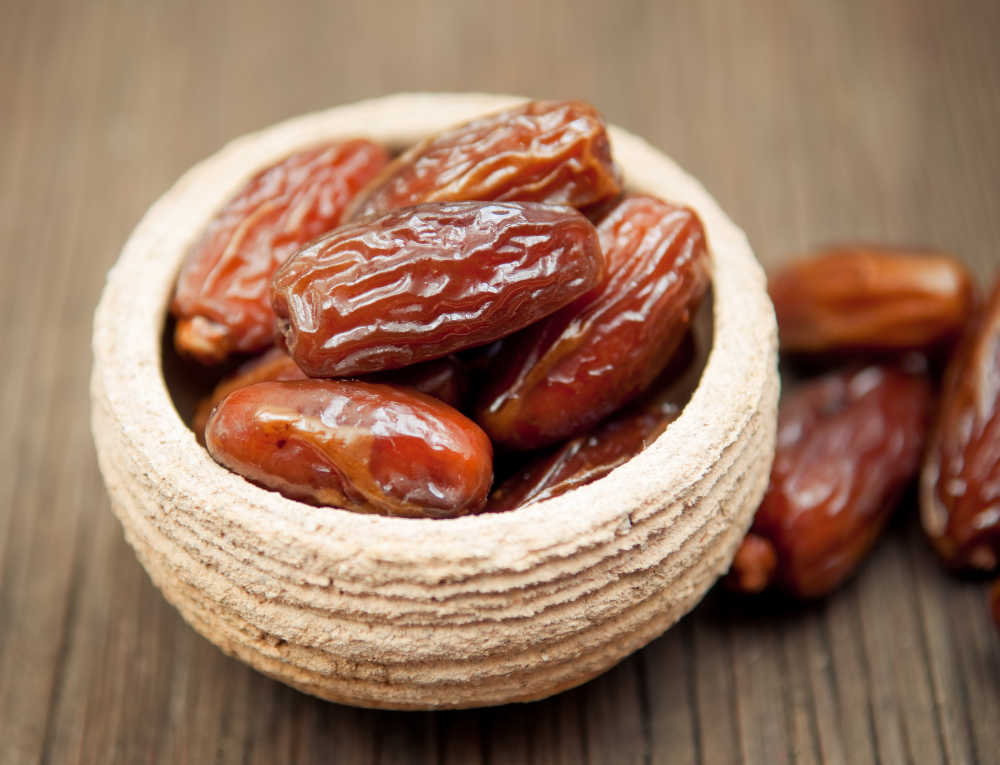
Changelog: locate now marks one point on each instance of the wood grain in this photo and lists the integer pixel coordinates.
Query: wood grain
(809, 122)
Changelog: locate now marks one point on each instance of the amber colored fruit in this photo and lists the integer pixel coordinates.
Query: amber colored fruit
(426, 281)
(361, 446)
(960, 481)
(848, 444)
(584, 459)
(222, 302)
(558, 378)
(542, 151)
(868, 298)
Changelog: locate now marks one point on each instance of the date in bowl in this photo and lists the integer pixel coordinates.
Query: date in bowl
(401, 613)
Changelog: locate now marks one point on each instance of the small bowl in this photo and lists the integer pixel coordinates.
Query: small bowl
(399, 613)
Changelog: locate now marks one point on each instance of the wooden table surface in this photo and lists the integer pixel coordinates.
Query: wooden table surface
(810, 122)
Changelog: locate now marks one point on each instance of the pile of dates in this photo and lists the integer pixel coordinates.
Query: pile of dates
(488, 302)
(903, 383)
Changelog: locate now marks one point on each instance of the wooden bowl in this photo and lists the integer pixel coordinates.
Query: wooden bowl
(399, 613)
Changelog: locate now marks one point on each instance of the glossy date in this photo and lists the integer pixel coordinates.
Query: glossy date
(542, 151)
(561, 376)
(222, 301)
(960, 480)
(426, 281)
(584, 459)
(869, 298)
(360, 446)
(848, 444)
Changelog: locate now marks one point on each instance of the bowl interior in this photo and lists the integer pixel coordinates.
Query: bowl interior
(189, 382)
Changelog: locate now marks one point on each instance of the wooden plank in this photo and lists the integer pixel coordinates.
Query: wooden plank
(809, 122)
(674, 728)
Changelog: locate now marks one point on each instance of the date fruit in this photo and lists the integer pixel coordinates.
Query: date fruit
(360, 446)
(960, 481)
(542, 151)
(876, 299)
(558, 378)
(423, 282)
(584, 459)
(848, 444)
(222, 302)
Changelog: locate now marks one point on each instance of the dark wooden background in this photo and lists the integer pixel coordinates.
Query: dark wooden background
(810, 122)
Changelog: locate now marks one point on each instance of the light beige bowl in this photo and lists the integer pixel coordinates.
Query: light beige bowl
(414, 614)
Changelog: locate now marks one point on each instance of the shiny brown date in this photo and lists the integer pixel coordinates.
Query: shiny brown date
(444, 379)
(848, 444)
(960, 481)
(542, 151)
(877, 299)
(222, 301)
(558, 378)
(584, 459)
(426, 281)
(361, 446)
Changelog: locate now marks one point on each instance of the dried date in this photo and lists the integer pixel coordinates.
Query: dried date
(584, 459)
(426, 281)
(542, 151)
(561, 376)
(361, 446)
(960, 480)
(848, 444)
(878, 299)
(222, 301)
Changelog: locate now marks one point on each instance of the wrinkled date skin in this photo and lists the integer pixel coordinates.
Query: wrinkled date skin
(361, 446)
(543, 151)
(444, 379)
(873, 299)
(960, 481)
(426, 281)
(848, 444)
(584, 459)
(222, 302)
(558, 378)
